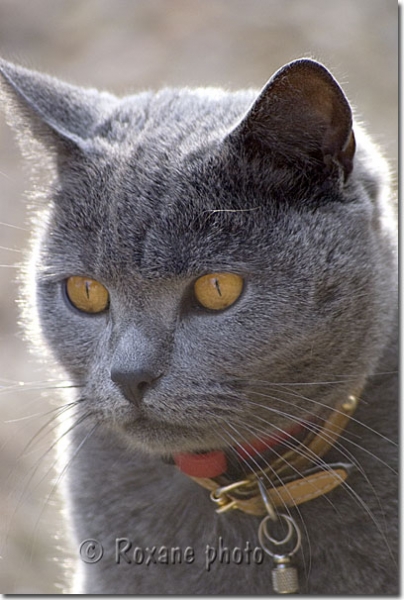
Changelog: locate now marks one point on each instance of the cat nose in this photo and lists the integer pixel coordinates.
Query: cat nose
(132, 384)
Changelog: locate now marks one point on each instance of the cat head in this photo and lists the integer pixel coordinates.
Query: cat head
(208, 266)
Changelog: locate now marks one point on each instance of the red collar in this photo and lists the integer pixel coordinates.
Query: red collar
(215, 463)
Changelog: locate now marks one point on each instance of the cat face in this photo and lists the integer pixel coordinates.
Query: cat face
(209, 266)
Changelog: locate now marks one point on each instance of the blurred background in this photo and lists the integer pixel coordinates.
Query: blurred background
(126, 46)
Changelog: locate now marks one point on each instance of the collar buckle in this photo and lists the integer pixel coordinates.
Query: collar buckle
(222, 499)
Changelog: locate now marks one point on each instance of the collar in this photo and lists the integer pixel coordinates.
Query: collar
(291, 475)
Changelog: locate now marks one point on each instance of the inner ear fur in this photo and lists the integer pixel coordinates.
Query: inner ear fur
(301, 114)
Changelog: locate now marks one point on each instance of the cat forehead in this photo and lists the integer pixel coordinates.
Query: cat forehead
(171, 114)
(163, 202)
(157, 217)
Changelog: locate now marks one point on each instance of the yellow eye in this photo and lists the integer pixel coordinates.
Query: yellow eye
(218, 291)
(87, 294)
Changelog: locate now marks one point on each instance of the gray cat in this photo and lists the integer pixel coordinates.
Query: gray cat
(216, 274)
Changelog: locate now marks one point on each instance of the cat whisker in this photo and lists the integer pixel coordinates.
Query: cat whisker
(342, 436)
(27, 484)
(276, 384)
(10, 266)
(57, 413)
(230, 210)
(72, 458)
(50, 448)
(39, 414)
(36, 386)
(352, 418)
(326, 406)
(2, 224)
(17, 250)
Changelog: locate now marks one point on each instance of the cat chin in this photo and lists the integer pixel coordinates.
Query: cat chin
(160, 439)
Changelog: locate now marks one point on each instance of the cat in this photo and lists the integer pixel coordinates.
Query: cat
(215, 273)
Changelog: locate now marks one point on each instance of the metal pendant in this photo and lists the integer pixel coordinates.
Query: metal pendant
(284, 576)
(284, 573)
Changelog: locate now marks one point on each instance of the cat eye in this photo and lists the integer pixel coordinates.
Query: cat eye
(87, 295)
(218, 291)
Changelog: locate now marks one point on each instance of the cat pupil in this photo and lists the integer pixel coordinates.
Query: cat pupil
(218, 287)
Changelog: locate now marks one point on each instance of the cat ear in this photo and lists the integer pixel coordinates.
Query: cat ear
(55, 113)
(301, 115)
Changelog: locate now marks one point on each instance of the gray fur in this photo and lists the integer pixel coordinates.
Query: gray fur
(150, 192)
